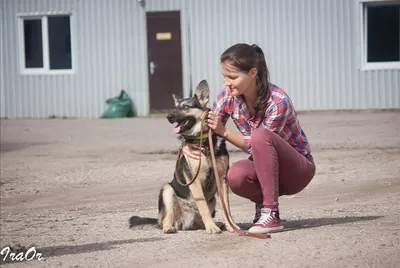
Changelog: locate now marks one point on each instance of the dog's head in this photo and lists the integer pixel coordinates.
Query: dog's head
(188, 112)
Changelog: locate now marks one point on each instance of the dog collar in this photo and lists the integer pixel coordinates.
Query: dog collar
(200, 137)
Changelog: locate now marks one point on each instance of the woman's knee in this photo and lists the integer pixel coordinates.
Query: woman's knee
(234, 177)
(242, 180)
(238, 174)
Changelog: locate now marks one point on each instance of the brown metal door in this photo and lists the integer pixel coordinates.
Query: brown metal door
(164, 59)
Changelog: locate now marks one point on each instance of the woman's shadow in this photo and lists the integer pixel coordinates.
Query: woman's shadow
(316, 222)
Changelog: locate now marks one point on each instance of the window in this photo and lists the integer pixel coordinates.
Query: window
(45, 44)
(381, 35)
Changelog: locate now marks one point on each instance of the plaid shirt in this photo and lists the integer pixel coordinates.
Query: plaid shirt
(280, 117)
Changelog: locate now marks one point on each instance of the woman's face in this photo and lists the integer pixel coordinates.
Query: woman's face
(237, 81)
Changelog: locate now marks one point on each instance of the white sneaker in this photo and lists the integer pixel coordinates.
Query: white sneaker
(269, 222)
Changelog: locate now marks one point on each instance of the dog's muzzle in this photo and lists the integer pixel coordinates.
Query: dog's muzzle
(171, 118)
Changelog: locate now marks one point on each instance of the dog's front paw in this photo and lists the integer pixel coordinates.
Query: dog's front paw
(169, 230)
(213, 229)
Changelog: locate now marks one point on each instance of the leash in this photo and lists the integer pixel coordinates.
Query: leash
(203, 117)
(219, 186)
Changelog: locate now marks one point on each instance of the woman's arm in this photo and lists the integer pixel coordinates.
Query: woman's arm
(214, 122)
(275, 120)
(218, 117)
(235, 138)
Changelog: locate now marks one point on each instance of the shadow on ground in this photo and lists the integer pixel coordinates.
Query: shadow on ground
(317, 222)
(92, 247)
(16, 146)
(75, 249)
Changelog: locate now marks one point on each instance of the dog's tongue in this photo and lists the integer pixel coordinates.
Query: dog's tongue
(177, 129)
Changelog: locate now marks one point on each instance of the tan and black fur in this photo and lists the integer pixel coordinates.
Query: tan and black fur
(193, 207)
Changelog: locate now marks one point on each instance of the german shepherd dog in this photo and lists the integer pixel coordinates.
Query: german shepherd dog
(193, 207)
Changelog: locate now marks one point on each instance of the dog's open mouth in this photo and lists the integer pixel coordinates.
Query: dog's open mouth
(184, 125)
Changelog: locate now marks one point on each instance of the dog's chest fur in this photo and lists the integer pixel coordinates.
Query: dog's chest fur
(205, 176)
(187, 169)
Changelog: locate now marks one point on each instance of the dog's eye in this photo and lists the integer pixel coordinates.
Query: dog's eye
(185, 107)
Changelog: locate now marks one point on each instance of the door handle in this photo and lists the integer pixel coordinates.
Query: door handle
(152, 67)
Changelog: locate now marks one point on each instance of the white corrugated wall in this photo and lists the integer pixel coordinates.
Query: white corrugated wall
(2, 65)
(109, 54)
(312, 49)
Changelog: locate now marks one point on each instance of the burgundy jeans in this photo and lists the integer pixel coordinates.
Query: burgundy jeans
(274, 169)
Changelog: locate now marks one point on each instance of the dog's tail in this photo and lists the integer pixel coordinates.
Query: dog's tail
(136, 222)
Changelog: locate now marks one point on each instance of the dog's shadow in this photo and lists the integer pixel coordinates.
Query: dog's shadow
(316, 222)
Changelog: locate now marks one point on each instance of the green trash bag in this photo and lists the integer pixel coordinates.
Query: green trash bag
(119, 107)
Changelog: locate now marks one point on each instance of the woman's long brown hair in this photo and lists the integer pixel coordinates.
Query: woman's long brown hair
(245, 57)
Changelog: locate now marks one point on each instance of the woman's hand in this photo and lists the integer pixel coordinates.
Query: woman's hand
(192, 151)
(215, 124)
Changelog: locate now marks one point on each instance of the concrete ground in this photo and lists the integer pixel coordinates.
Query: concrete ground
(68, 187)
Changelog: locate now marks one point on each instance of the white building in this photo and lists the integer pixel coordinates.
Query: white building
(66, 57)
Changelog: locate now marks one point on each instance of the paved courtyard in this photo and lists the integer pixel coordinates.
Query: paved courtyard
(68, 187)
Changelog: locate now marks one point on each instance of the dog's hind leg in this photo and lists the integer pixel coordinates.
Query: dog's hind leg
(166, 217)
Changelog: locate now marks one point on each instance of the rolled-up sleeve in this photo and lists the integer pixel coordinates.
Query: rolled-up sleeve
(221, 106)
(247, 144)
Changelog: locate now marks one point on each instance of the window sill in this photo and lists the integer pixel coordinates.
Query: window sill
(47, 72)
(381, 66)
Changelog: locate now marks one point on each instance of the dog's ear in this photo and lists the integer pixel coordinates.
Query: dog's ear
(176, 99)
(202, 93)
